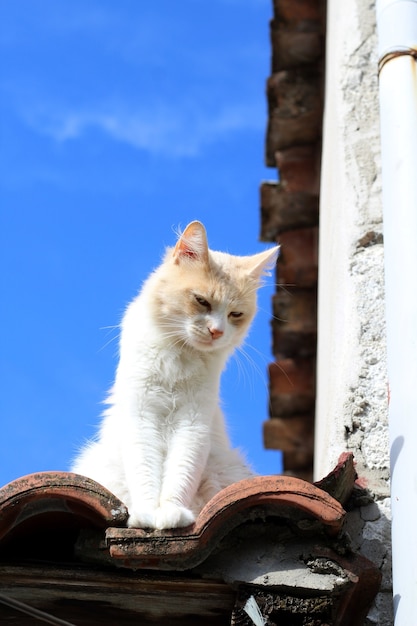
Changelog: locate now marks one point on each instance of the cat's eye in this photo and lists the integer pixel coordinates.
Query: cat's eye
(203, 302)
(235, 314)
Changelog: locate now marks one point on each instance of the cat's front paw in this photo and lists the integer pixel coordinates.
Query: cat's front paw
(141, 518)
(170, 515)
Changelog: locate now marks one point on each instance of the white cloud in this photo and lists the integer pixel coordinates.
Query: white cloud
(162, 130)
(178, 83)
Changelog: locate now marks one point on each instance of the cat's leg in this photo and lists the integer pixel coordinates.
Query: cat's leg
(143, 462)
(184, 466)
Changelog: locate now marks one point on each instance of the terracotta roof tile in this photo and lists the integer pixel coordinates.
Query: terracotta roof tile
(259, 497)
(340, 482)
(278, 536)
(59, 499)
(57, 496)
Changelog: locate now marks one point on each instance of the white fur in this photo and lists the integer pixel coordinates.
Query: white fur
(162, 447)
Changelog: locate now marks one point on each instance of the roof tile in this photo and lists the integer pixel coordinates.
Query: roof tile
(259, 497)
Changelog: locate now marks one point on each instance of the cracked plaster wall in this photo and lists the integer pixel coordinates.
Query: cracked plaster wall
(352, 391)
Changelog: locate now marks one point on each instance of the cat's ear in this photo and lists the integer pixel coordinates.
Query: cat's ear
(261, 264)
(192, 244)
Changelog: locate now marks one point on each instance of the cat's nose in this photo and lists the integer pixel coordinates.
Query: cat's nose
(215, 333)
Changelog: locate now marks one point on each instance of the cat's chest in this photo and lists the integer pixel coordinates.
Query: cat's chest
(176, 387)
(178, 367)
(166, 376)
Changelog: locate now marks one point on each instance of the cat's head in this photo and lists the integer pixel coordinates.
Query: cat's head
(206, 299)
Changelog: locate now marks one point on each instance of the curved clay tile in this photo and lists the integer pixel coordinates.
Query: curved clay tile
(44, 494)
(246, 500)
(340, 482)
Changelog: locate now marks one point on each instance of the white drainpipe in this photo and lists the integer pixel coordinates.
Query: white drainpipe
(397, 33)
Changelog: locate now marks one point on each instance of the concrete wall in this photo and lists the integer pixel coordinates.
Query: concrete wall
(352, 391)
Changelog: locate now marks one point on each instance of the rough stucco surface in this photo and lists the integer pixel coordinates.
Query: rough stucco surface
(352, 394)
(366, 402)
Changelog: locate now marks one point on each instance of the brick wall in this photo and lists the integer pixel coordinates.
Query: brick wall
(289, 215)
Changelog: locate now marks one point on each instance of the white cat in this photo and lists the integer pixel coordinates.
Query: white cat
(162, 447)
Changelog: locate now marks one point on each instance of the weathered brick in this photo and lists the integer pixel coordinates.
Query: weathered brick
(298, 11)
(294, 326)
(298, 260)
(282, 210)
(289, 215)
(299, 463)
(288, 343)
(292, 386)
(290, 434)
(305, 473)
(291, 48)
(295, 110)
(299, 168)
(296, 309)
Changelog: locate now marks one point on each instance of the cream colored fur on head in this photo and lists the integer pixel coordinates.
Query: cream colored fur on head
(162, 447)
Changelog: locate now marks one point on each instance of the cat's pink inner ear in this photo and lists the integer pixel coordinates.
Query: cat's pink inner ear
(193, 243)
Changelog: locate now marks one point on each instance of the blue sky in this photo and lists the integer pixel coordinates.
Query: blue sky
(120, 121)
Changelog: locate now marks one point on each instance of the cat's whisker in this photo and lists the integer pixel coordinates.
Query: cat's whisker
(246, 377)
(259, 354)
(115, 337)
(255, 367)
(284, 287)
(251, 361)
(271, 315)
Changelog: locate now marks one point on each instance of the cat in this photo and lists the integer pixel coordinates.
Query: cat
(162, 446)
